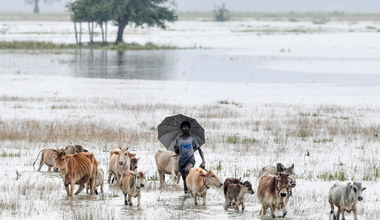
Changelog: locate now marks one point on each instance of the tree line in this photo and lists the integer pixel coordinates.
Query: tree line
(119, 13)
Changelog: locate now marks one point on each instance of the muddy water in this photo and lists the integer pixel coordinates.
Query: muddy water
(218, 65)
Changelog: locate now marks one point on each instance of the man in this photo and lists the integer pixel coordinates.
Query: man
(185, 147)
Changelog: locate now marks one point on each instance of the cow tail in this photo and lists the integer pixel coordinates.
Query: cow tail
(37, 158)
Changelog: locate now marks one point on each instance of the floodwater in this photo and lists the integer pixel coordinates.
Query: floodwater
(214, 65)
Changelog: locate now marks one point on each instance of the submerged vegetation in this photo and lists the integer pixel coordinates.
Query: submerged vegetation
(36, 45)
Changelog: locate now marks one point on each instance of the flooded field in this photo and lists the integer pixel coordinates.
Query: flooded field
(312, 99)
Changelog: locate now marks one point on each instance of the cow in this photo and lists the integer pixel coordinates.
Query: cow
(78, 169)
(167, 163)
(131, 184)
(344, 197)
(47, 158)
(99, 181)
(73, 149)
(272, 192)
(229, 181)
(235, 194)
(280, 168)
(119, 163)
(198, 181)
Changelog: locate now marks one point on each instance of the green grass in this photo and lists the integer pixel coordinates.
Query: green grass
(337, 175)
(5, 154)
(35, 45)
(235, 139)
(322, 140)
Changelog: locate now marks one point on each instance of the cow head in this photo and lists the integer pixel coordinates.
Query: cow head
(60, 160)
(248, 187)
(282, 184)
(123, 156)
(140, 180)
(286, 170)
(79, 148)
(134, 163)
(211, 179)
(355, 190)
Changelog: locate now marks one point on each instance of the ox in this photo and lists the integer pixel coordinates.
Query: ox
(344, 197)
(99, 181)
(167, 163)
(131, 184)
(119, 163)
(47, 158)
(198, 181)
(74, 149)
(272, 192)
(77, 169)
(236, 192)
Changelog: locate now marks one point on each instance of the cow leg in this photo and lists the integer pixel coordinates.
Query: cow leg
(72, 184)
(242, 205)
(138, 198)
(87, 187)
(332, 211)
(101, 188)
(92, 186)
(41, 163)
(355, 213)
(338, 213)
(342, 211)
(284, 212)
(264, 209)
(67, 189)
(226, 204)
(130, 200)
(272, 210)
(162, 179)
(237, 206)
(195, 199)
(204, 198)
(109, 175)
(81, 187)
(125, 199)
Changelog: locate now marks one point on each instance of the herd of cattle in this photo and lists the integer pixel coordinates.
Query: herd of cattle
(78, 166)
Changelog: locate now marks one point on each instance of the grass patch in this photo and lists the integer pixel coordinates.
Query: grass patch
(36, 45)
(323, 140)
(235, 139)
(5, 154)
(337, 175)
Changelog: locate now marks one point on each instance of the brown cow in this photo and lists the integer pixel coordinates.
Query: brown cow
(119, 163)
(167, 163)
(77, 168)
(235, 194)
(74, 149)
(229, 181)
(99, 181)
(131, 184)
(198, 181)
(272, 192)
(46, 158)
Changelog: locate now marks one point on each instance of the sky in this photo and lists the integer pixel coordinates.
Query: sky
(238, 5)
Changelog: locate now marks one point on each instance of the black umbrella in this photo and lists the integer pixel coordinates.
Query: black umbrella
(170, 129)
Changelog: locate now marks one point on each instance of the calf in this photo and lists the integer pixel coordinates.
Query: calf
(74, 149)
(344, 197)
(134, 163)
(167, 163)
(77, 168)
(99, 181)
(131, 184)
(235, 194)
(119, 163)
(46, 158)
(198, 181)
(272, 192)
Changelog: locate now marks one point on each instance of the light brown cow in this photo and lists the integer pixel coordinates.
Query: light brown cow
(119, 163)
(46, 158)
(272, 192)
(99, 181)
(235, 194)
(78, 169)
(131, 184)
(167, 163)
(198, 181)
(74, 149)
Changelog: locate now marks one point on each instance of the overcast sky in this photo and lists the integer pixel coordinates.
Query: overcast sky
(240, 5)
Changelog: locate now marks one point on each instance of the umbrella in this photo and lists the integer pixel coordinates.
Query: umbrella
(170, 129)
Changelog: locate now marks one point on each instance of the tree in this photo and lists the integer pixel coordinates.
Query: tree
(221, 13)
(140, 12)
(36, 9)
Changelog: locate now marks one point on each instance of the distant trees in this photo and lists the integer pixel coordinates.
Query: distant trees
(121, 13)
(221, 13)
(36, 9)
